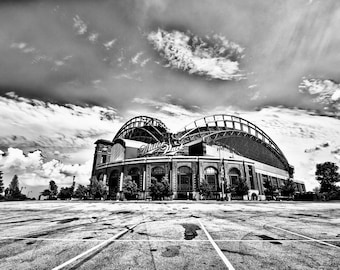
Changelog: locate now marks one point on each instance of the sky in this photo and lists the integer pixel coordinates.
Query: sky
(75, 71)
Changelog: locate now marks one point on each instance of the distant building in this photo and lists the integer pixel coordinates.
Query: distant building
(220, 149)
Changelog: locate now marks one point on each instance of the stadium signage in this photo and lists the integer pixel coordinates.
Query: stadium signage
(160, 148)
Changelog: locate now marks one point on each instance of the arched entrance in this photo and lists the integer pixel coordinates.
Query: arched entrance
(158, 173)
(234, 176)
(184, 182)
(114, 184)
(135, 175)
(254, 197)
(210, 175)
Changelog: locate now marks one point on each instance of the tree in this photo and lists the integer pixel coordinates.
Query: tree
(65, 193)
(46, 192)
(205, 189)
(14, 191)
(97, 188)
(316, 190)
(288, 188)
(53, 189)
(160, 189)
(327, 175)
(241, 188)
(81, 192)
(130, 188)
(269, 189)
(1, 183)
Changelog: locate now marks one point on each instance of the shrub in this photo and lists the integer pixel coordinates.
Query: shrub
(81, 192)
(65, 193)
(130, 188)
(160, 189)
(241, 188)
(97, 188)
(288, 188)
(205, 189)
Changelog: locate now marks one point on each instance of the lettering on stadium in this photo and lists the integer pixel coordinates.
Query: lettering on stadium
(160, 148)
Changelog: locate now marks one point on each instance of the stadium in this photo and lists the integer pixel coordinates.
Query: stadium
(220, 150)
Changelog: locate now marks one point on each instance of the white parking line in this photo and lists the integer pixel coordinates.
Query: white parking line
(306, 237)
(219, 251)
(94, 248)
(165, 240)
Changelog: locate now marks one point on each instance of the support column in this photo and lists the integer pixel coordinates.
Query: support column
(144, 180)
(105, 179)
(121, 181)
(105, 185)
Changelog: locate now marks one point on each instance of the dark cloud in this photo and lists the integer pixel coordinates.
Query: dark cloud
(97, 52)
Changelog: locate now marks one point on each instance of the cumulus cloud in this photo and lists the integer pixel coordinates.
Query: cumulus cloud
(109, 44)
(93, 37)
(20, 46)
(31, 124)
(34, 170)
(138, 60)
(169, 112)
(213, 57)
(135, 59)
(79, 25)
(323, 91)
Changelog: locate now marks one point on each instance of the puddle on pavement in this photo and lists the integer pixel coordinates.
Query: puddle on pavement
(21, 221)
(88, 237)
(67, 220)
(171, 251)
(142, 233)
(266, 237)
(235, 252)
(190, 230)
(308, 215)
(40, 235)
(122, 212)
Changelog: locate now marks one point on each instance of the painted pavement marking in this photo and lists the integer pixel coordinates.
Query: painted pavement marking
(306, 237)
(164, 240)
(219, 251)
(89, 251)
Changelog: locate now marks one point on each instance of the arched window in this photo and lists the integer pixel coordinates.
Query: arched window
(158, 173)
(234, 176)
(135, 175)
(184, 177)
(114, 182)
(210, 175)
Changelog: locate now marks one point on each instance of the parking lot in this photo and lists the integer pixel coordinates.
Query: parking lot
(169, 235)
